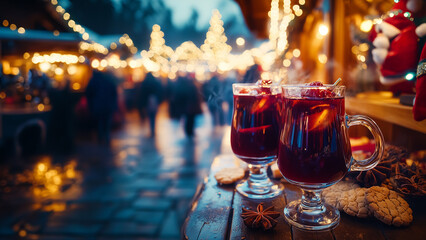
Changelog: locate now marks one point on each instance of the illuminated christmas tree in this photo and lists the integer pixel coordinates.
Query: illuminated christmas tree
(215, 47)
(158, 50)
(159, 53)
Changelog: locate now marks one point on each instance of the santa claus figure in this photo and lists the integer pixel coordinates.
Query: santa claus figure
(398, 40)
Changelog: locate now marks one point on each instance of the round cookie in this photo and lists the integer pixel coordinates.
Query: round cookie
(229, 175)
(354, 202)
(333, 194)
(388, 206)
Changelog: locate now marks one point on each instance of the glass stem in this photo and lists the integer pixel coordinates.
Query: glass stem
(311, 200)
(258, 180)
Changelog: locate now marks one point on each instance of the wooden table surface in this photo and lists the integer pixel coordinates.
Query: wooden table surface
(215, 214)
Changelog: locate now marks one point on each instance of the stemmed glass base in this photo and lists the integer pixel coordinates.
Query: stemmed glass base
(258, 185)
(311, 213)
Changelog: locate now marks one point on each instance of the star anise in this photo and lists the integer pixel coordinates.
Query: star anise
(261, 218)
(395, 153)
(409, 179)
(375, 176)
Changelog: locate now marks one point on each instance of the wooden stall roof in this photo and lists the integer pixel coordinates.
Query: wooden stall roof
(33, 14)
(40, 20)
(7, 34)
(13, 43)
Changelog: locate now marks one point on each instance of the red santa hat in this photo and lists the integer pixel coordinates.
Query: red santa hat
(401, 5)
(392, 24)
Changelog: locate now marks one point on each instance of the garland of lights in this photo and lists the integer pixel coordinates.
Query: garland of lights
(13, 27)
(71, 23)
(274, 16)
(214, 54)
(282, 39)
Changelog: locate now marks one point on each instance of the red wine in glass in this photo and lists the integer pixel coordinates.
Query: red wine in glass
(256, 125)
(315, 149)
(315, 152)
(255, 132)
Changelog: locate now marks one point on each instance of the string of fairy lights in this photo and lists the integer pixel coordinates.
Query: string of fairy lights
(13, 26)
(213, 55)
(53, 62)
(282, 39)
(274, 16)
(71, 23)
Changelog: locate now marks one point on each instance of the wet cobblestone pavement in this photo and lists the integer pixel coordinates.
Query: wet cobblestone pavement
(139, 189)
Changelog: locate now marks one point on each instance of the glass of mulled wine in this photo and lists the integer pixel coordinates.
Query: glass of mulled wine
(255, 132)
(315, 152)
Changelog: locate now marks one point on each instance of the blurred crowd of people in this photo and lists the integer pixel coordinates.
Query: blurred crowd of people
(185, 96)
(102, 106)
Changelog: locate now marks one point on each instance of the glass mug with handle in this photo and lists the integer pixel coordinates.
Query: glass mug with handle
(315, 151)
(255, 132)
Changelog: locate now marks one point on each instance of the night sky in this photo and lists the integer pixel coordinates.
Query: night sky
(182, 10)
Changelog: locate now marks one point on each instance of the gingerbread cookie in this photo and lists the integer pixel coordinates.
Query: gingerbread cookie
(229, 175)
(388, 206)
(333, 194)
(353, 202)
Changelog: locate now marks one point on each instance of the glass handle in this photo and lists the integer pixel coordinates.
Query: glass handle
(374, 159)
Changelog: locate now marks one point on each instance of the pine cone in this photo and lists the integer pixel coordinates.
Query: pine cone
(383, 170)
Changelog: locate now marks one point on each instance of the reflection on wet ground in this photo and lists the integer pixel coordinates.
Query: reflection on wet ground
(141, 188)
